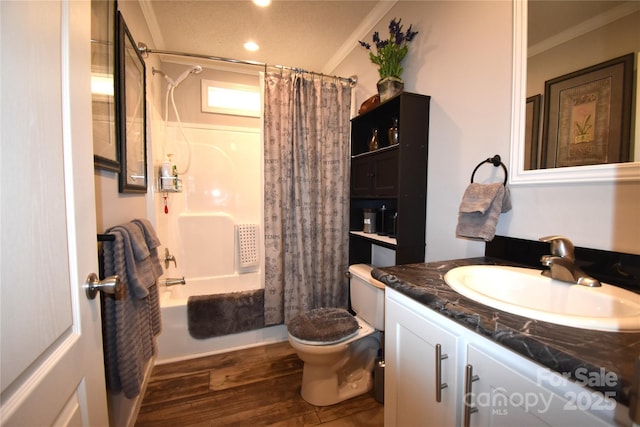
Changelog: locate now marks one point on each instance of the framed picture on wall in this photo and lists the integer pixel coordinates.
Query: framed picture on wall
(103, 27)
(131, 112)
(532, 132)
(587, 115)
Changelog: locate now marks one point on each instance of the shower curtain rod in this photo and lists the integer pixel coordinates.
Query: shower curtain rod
(145, 51)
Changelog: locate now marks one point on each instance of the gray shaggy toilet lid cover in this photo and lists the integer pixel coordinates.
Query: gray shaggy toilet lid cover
(323, 325)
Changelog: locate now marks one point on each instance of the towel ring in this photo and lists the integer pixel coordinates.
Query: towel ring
(496, 161)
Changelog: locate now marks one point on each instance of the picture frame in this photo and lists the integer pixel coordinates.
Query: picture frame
(131, 112)
(103, 28)
(587, 115)
(532, 132)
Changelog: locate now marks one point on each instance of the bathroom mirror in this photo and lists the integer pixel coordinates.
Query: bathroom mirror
(524, 104)
(131, 112)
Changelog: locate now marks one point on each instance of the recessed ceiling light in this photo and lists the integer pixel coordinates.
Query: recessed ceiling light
(262, 3)
(251, 46)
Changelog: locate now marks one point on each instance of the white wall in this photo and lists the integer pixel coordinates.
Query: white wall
(462, 57)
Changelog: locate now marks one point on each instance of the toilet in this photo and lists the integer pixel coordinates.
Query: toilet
(337, 348)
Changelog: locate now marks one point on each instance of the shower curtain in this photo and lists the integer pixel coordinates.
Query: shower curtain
(306, 200)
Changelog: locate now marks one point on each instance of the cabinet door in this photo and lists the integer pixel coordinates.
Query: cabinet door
(361, 177)
(410, 373)
(385, 174)
(505, 397)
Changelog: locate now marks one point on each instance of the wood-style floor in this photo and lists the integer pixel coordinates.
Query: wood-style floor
(254, 387)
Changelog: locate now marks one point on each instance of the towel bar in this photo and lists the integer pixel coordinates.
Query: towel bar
(496, 161)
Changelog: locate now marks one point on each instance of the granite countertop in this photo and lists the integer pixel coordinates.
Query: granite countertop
(560, 348)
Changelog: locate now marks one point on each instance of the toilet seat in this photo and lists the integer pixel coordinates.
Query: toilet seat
(323, 326)
(364, 329)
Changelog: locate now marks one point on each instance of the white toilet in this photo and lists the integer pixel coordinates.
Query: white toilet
(338, 349)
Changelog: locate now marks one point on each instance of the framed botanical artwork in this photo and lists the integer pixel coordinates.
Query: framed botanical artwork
(131, 112)
(587, 115)
(103, 27)
(532, 132)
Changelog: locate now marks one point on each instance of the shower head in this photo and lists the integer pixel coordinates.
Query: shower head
(196, 69)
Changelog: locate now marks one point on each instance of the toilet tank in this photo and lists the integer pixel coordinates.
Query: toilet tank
(367, 295)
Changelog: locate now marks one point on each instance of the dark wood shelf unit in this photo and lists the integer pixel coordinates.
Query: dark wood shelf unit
(394, 176)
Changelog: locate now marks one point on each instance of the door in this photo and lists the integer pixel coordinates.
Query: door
(505, 397)
(413, 369)
(385, 173)
(52, 370)
(361, 176)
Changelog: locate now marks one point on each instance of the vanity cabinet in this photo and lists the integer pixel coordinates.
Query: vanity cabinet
(421, 360)
(391, 180)
(486, 384)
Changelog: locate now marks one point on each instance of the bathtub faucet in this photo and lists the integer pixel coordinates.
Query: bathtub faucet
(171, 281)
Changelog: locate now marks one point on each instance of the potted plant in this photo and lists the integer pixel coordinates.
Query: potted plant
(388, 57)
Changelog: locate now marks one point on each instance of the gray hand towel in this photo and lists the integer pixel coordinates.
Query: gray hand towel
(479, 210)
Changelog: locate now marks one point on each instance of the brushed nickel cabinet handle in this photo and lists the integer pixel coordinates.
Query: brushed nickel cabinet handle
(439, 384)
(468, 407)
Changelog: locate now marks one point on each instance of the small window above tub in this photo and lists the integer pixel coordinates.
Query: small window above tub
(230, 98)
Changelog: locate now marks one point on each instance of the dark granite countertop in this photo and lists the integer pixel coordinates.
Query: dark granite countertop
(560, 348)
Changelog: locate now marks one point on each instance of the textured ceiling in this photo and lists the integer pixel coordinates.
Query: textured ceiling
(303, 34)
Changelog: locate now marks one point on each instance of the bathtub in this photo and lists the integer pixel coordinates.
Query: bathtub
(175, 343)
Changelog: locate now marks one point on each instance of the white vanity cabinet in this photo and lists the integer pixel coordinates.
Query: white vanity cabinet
(486, 384)
(420, 358)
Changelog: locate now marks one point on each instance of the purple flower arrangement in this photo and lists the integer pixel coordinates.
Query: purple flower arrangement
(390, 52)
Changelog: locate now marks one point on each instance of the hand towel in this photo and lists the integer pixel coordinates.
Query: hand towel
(140, 271)
(153, 242)
(479, 210)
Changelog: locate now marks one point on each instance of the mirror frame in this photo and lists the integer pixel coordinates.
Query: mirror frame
(106, 145)
(131, 81)
(613, 172)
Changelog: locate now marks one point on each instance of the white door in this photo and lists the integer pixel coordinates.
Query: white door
(52, 370)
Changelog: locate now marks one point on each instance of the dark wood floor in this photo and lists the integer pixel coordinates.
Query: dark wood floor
(253, 387)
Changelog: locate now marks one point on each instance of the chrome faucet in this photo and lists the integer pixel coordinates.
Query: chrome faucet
(168, 258)
(171, 281)
(562, 264)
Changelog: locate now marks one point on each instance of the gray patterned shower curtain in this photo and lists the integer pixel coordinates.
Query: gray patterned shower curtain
(306, 199)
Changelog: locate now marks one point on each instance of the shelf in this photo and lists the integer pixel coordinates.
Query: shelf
(379, 150)
(390, 242)
(169, 184)
(394, 176)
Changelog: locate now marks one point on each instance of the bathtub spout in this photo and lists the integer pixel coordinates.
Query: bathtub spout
(171, 281)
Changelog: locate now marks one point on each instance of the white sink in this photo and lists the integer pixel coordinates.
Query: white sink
(525, 292)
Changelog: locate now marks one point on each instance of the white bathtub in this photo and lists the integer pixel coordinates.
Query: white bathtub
(175, 343)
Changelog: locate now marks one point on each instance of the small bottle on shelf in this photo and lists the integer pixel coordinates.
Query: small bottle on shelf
(393, 132)
(373, 143)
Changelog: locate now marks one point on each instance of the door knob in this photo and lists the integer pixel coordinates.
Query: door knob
(109, 285)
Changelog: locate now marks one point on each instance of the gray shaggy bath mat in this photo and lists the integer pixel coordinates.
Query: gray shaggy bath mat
(224, 314)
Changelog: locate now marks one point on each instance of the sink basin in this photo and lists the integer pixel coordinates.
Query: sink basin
(525, 292)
